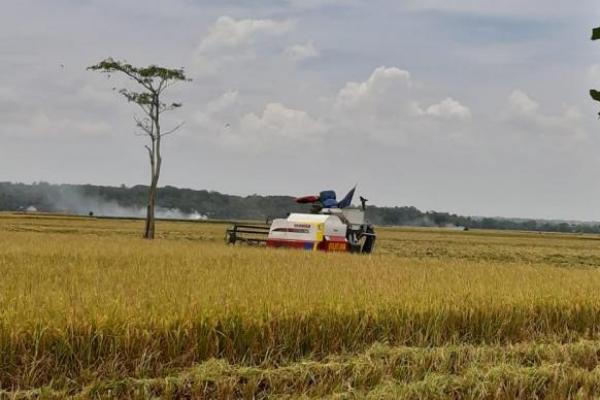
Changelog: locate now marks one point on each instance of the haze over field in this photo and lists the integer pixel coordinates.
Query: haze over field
(474, 108)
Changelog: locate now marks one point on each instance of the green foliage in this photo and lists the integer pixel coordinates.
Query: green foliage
(596, 34)
(134, 97)
(153, 79)
(146, 76)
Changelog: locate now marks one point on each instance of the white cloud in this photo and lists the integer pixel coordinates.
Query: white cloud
(278, 120)
(227, 32)
(387, 89)
(301, 52)
(217, 112)
(231, 41)
(224, 102)
(277, 125)
(232, 125)
(526, 114)
(521, 103)
(385, 108)
(449, 108)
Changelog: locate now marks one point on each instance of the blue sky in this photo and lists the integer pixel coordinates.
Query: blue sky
(472, 107)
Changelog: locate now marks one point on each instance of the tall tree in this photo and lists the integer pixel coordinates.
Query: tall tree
(152, 82)
(595, 93)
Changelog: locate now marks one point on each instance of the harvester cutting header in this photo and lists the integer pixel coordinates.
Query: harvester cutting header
(331, 226)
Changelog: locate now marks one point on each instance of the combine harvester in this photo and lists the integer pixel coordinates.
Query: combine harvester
(331, 226)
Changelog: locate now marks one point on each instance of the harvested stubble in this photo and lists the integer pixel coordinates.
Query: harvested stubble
(114, 314)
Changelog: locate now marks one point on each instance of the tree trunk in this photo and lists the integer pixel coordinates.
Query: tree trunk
(155, 164)
(149, 230)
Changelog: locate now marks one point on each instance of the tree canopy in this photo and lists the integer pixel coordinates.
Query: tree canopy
(153, 78)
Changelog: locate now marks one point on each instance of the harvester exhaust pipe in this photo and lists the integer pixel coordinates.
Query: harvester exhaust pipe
(363, 203)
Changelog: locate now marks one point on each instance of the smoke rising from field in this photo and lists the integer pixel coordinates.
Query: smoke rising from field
(424, 221)
(428, 222)
(71, 200)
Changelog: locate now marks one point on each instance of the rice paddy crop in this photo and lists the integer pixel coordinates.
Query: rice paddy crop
(90, 310)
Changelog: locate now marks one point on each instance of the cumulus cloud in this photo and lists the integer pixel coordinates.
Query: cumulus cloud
(386, 90)
(301, 52)
(224, 102)
(230, 40)
(520, 103)
(526, 114)
(233, 124)
(227, 32)
(383, 107)
(218, 112)
(278, 120)
(449, 108)
(277, 125)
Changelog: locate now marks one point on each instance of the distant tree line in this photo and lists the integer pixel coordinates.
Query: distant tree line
(411, 216)
(47, 197)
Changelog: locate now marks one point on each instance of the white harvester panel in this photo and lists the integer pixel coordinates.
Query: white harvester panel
(308, 231)
(335, 229)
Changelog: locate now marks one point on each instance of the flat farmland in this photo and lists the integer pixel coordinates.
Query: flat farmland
(90, 310)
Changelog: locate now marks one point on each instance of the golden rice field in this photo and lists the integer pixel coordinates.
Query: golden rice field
(88, 310)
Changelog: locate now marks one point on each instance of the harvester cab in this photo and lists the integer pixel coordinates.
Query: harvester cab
(331, 226)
